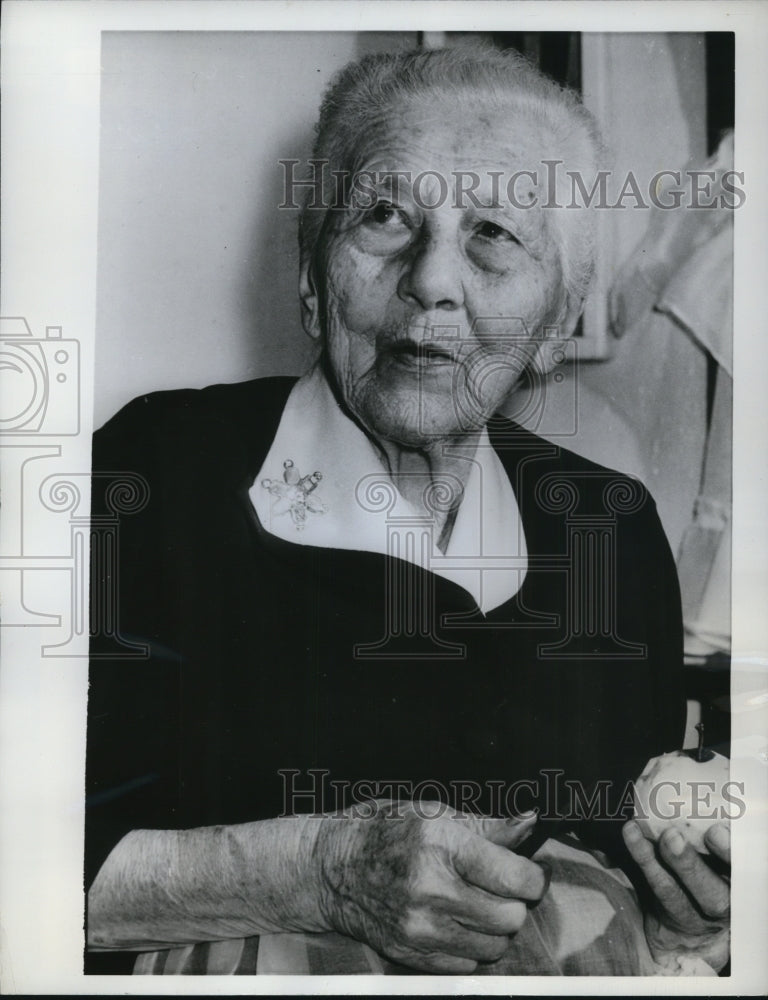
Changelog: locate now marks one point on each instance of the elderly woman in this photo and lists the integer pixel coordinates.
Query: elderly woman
(382, 625)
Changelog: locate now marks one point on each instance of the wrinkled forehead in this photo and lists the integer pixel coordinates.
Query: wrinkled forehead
(467, 140)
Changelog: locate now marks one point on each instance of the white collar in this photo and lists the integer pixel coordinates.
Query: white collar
(356, 506)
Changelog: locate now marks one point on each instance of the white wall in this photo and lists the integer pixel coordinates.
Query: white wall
(197, 269)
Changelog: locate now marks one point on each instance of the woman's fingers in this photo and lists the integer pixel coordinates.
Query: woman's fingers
(435, 961)
(665, 887)
(481, 911)
(480, 947)
(507, 832)
(683, 874)
(450, 965)
(498, 870)
(431, 932)
(711, 892)
(718, 840)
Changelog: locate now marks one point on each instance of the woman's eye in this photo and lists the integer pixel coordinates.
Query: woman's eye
(384, 229)
(384, 213)
(490, 231)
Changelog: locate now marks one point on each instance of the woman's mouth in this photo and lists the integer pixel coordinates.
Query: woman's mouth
(420, 356)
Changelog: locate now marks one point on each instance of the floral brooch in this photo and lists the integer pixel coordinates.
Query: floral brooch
(294, 495)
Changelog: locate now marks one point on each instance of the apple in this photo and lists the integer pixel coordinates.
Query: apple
(683, 789)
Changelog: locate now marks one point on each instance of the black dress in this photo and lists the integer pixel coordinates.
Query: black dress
(224, 658)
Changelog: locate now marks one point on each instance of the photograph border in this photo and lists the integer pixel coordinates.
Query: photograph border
(50, 161)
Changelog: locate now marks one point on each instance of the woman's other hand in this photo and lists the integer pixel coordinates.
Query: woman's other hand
(691, 916)
(427, 887)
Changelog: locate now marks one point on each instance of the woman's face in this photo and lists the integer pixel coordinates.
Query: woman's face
(431, 313)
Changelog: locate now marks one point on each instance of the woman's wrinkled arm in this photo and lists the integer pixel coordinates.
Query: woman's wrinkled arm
(439, 894)
(160, 888)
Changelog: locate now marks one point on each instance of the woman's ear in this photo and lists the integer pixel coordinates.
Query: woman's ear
(310, 303)
(560, 330)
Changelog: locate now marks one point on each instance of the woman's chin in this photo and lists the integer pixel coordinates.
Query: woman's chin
(418, 435)
(415, 417)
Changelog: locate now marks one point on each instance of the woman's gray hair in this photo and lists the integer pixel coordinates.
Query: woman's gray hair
(360, 95)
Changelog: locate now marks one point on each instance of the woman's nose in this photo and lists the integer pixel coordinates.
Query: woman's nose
(432, 278)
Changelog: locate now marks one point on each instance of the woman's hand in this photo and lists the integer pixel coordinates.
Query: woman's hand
(691, 917)
(437, 894)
